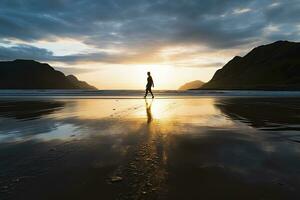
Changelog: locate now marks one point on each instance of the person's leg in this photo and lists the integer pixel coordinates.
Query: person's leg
(150, 90)
(146, 93)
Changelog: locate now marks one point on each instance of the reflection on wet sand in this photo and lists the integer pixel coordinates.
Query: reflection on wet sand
(265, 113)
(28, 110)
(209, 148)
(144, 172)
(148, 110)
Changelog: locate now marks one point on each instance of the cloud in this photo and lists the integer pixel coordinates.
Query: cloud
(284, 12)
(75, 70)
(239, 11)
(23, 51)
(141, 29)
(207, 65)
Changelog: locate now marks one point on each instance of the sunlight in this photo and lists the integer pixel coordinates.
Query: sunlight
(64, 46)
(162, 75)
(201, 112)
(161, 109)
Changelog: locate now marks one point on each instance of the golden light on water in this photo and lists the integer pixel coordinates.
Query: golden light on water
(168, 113)
(201, 112)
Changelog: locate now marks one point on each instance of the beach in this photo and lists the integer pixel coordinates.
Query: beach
(190, 147)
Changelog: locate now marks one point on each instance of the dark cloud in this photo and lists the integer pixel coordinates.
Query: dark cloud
(41, 54)
(284, 12)
(141, 26)
(24, 52)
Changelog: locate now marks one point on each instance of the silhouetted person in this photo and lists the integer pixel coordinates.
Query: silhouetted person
(149, 85)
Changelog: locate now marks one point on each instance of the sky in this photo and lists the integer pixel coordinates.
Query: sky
(113, 43)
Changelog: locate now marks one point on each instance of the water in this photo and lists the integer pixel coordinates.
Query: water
(181, 145)
(140, 93)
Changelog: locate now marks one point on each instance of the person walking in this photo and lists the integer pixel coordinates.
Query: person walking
(149, 85)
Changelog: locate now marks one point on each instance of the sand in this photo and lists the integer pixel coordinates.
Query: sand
(198, 148)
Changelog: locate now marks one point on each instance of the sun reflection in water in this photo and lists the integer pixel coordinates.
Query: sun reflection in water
(148, 110)
(173, 112)
(166, 114)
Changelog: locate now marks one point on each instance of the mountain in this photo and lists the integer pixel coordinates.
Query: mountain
(191, 85)
(274, 66)
(80, 84)
(29, 74)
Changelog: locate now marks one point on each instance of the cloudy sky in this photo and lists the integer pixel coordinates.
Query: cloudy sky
(113, 43)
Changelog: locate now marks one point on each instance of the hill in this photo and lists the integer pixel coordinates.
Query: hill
(274, 66)
(191, 85)
(29, 74)
(80, 84)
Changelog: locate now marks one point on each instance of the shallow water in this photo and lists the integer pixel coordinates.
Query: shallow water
(188, 148)
(138, 94)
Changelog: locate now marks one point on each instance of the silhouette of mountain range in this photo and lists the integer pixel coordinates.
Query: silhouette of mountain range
(30, 74)
(191, 85)
(274, 66)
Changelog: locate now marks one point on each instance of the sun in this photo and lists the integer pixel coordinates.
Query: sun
(161, 74)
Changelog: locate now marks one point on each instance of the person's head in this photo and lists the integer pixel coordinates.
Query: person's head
(148, 73)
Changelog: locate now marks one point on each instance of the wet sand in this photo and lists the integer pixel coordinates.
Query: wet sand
(200, 148)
